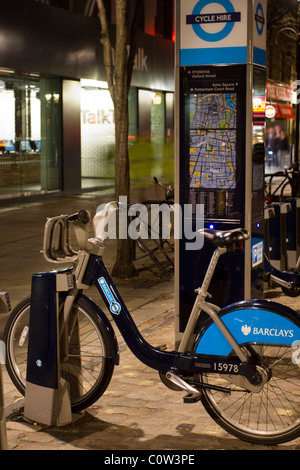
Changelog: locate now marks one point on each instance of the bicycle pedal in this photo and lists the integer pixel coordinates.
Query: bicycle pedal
(192, 397)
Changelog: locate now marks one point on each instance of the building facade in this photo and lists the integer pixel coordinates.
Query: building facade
(56, 113)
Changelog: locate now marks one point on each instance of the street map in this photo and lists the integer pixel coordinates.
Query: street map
(212, 159)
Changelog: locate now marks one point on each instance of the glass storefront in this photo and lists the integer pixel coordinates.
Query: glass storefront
(97, 133)
(30, 135)
(150, 136)
(153, 152)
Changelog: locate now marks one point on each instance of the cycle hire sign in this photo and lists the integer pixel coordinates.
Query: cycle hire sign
(216, 32)
(259, 32)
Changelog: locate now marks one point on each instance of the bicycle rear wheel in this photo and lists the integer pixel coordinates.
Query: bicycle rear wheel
(269, 417)
(88, 367)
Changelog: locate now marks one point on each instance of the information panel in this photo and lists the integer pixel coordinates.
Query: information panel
(220, 71)
(214, 100)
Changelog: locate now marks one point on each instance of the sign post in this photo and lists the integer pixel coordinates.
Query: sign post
(220, 74)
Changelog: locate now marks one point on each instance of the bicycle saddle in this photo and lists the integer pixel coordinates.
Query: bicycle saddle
(225, 238)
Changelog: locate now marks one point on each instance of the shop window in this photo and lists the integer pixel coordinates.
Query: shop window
(150, 135)
(153, 154)
(30, 156)
(98, 132)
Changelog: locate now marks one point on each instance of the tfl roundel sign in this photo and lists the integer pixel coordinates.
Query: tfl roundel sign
(218, 32)
(225, 19)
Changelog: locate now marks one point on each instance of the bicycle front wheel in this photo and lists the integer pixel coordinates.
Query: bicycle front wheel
(87, 366)
(269, 417)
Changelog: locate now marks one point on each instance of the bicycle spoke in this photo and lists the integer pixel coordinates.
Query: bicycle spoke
(84, 363)
(272, 411)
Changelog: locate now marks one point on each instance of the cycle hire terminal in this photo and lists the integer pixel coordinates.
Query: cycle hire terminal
(219, 148)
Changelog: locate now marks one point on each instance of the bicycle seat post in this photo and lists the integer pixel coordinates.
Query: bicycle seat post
(202, 294)
(202, 291)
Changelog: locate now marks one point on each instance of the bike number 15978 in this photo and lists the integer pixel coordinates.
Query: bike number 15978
(226, 368)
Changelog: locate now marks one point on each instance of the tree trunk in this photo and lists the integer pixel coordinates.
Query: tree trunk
(123, 266)
(118, 78)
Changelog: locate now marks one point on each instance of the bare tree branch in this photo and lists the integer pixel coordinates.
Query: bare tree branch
(121, 46)
(107, 51)
(133, 39)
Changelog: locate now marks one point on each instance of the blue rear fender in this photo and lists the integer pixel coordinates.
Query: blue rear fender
(251, 321)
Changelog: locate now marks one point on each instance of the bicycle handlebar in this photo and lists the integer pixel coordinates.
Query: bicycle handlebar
(57, 244)
(82, 216)
(169, 190)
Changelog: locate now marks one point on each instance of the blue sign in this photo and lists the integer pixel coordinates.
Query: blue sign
(229, 18)
(213, 32)
(259, 19)
(259, 36)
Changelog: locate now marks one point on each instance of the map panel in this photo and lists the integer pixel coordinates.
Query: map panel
(212, 156)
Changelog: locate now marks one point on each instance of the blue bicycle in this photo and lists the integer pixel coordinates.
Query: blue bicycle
(240, 361)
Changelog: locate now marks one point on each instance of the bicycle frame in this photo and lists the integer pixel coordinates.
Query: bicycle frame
(287, 279)
(181, 361)
(252, 345)
(289, 177)
(89, 269)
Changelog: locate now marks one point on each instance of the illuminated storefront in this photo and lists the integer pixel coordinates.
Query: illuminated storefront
(56, 114)
(30, 135)
(280, 122)
(150, 134)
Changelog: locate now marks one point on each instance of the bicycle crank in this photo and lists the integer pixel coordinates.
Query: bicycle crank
(193, 394)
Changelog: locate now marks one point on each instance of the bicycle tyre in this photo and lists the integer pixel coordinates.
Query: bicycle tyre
(89, 356)
(269, 417)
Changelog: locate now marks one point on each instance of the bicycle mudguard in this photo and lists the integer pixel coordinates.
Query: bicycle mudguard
(252, 321)
(107, 325)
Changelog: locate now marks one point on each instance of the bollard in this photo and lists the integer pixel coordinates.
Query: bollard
(292, 233)
(47, 398)
(268, 214)
(277, 225)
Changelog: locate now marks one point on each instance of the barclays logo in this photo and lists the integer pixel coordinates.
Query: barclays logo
(273, 332)
(246, 330)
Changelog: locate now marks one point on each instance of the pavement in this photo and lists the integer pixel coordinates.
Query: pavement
(137, 412)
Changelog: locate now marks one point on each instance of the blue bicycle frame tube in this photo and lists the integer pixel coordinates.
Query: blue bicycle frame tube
(287, 276)
(97, 274)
